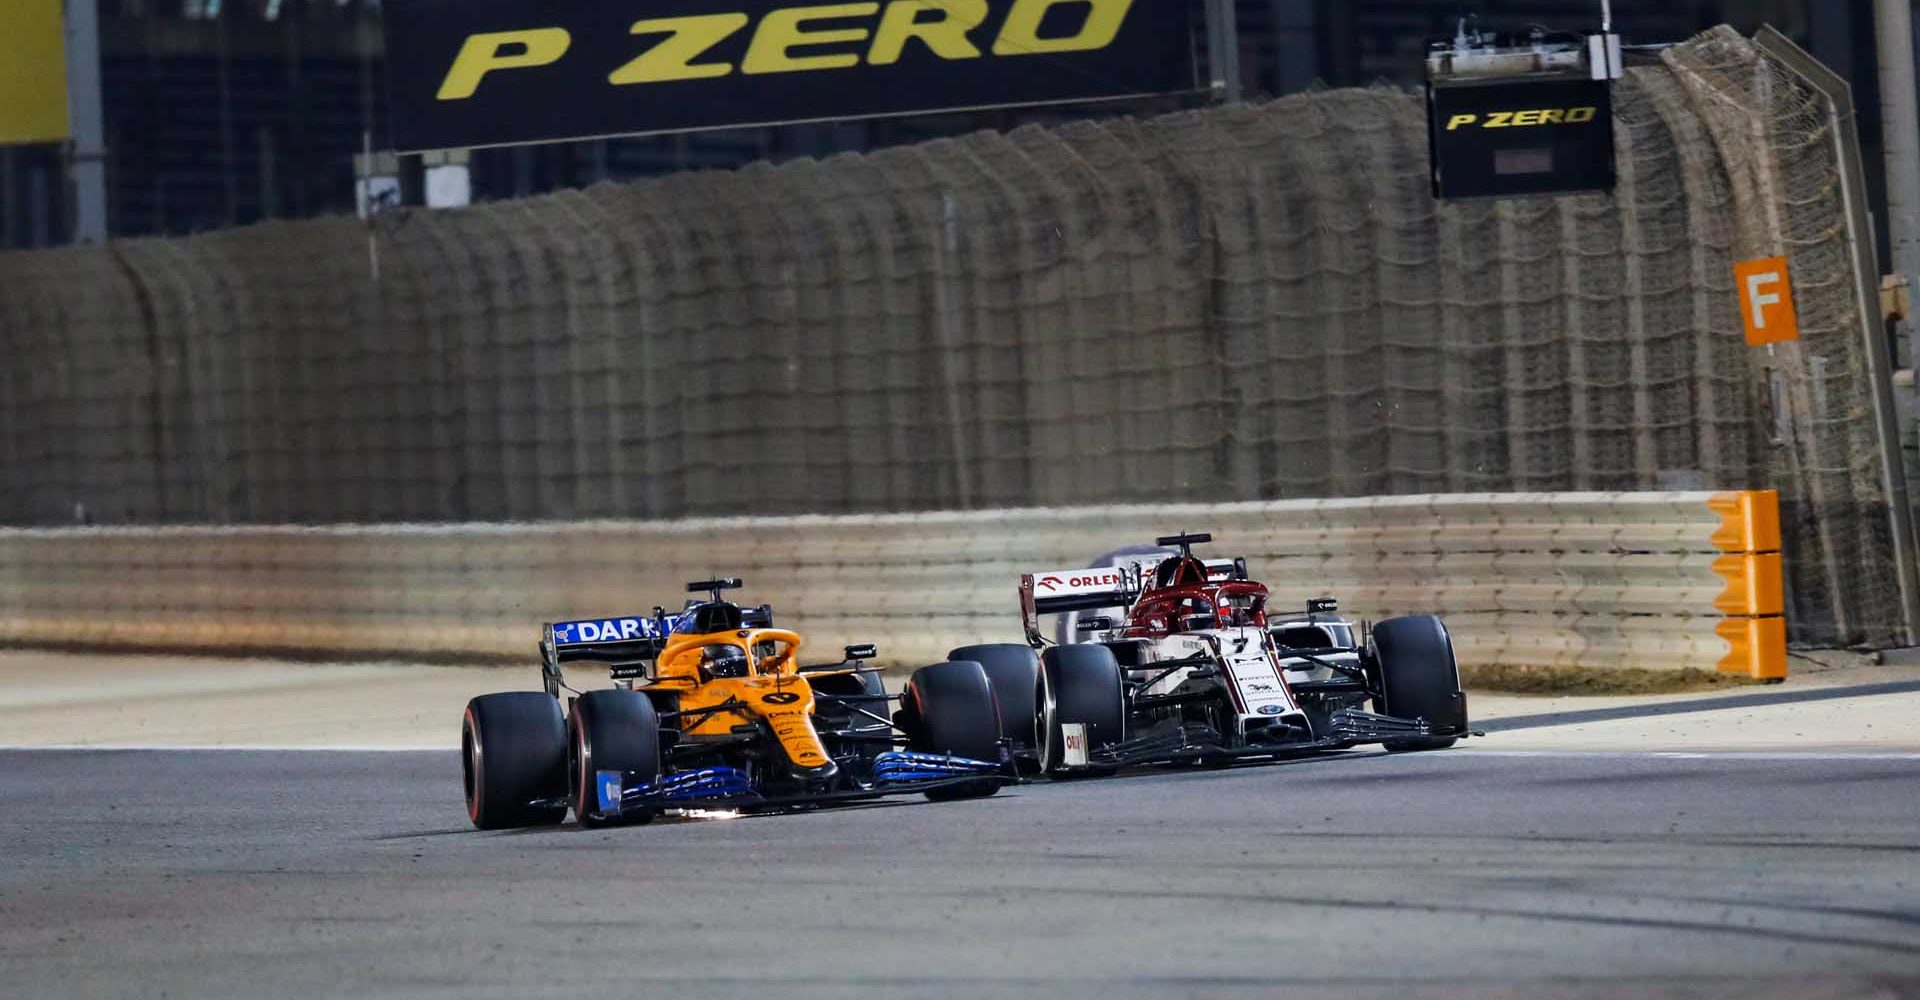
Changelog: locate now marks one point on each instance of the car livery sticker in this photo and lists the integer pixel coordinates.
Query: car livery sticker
(794, 729)
(608, 786)
(1259, 684)
(608, 630)
(1068, 582)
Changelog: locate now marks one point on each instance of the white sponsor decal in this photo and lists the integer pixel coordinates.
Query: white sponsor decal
(1261, 689)
(1072, 581)
(1073, 742)
(605, 630)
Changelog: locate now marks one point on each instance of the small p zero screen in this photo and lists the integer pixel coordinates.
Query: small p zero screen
(1535, 160)
(1520, 137)
(497, 72)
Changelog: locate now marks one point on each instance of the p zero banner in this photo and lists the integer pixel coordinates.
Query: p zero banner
(1520, 136)
(495, 72)
(33, 72)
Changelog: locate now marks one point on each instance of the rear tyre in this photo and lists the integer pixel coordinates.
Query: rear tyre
(950, 710)
(1086, 687)
(1419, 678)
(613, 730)
(1014, 671)
(513, 753)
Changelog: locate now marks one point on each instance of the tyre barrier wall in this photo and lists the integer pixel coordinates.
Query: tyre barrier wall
(1653, 580)
(1245, 303)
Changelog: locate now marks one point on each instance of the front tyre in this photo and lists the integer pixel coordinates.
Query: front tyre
(513, 757)
(613, 730)
(950, 709)
(1014, 671)
(1419, 679)
(1087, 687)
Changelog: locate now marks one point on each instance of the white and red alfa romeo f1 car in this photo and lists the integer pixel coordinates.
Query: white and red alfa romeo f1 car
(1187, 663)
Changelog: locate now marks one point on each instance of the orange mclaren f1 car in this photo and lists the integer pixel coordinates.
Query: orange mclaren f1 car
(710, 709)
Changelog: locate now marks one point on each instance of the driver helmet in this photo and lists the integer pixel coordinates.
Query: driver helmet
(724, 660)
(1196, 607)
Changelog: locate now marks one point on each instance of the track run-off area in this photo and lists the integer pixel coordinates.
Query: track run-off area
(1753, 843)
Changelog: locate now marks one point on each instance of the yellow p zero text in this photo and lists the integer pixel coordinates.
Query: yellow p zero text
(1524, 119)
(805, 39)
(482, 54)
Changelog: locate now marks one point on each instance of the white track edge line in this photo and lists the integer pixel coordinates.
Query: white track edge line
(1862, 754)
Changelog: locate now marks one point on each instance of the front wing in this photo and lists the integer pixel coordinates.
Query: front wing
(1349, 727)
(727, 788)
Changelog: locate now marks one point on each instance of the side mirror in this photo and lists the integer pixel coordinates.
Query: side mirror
(863, 651)
(1320, 605)
(1097, 623)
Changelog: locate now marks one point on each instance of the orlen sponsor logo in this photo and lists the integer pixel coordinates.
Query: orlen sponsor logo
(1054, 581)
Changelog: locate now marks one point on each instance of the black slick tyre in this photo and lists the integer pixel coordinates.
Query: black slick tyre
(513, 754)
(1086, 686)
(950, 709)
(612, 730)
(1419, 678)
(1014, 671)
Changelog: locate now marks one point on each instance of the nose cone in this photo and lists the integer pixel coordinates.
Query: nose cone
(820, 772)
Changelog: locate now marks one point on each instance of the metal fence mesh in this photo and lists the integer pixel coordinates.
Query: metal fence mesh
(1776, 137)
(1248, 302)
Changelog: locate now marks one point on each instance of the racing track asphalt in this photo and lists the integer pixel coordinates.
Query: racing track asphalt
(1463, 874)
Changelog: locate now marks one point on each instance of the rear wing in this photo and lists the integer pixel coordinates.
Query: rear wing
(609, 638)
(1062, 591)
(623, 643)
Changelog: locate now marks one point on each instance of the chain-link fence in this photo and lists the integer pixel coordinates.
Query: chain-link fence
(1247, 302)
(1779, 144)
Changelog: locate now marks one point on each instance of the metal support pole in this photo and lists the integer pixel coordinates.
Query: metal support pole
(1296, 41)
(366, 182)
(223, 75)
(269, 173)
(89, 156)
(1893, 31)
(1223, 49)
(8, 197)
(364, 33)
